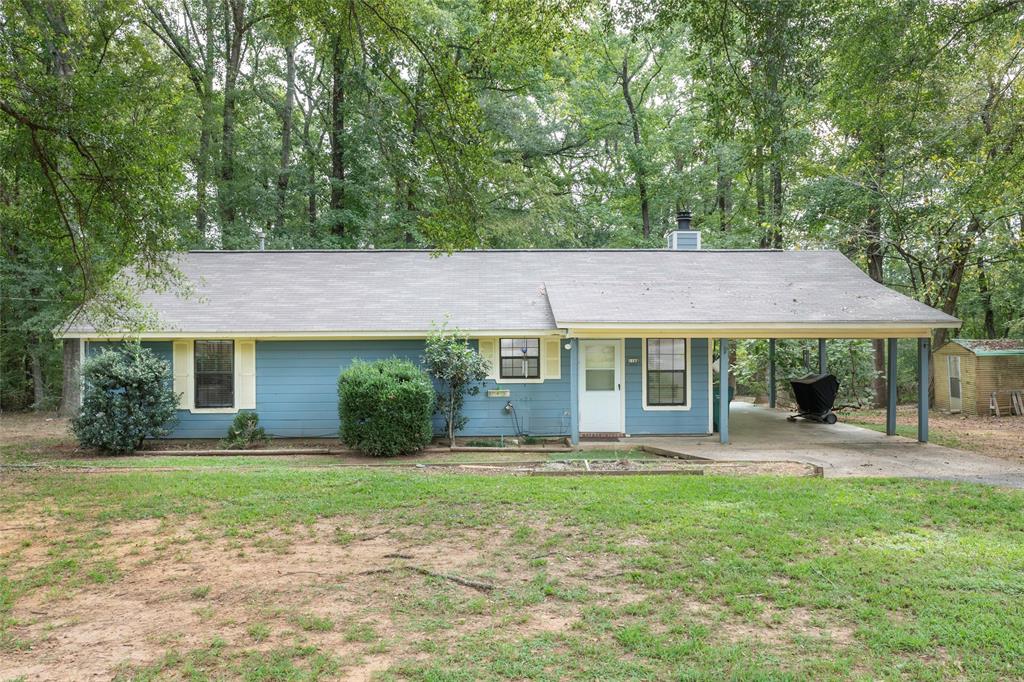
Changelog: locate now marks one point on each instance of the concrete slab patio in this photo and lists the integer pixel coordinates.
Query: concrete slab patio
(760, 434)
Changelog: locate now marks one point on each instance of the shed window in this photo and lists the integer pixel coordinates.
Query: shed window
(666, 372)
(520, 358)
(215, 373)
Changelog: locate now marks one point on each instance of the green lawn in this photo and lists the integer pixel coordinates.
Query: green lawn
(597, 578)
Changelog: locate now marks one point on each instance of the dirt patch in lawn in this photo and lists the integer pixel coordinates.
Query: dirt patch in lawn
(1001, 437)
(21, 426)
(179, 592)
(369, 596)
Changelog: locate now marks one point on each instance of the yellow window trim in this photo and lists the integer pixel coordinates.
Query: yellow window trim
(549, 346)
(184, 368)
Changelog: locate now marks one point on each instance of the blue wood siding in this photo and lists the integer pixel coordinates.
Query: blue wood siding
(653, 422)
(297, 394)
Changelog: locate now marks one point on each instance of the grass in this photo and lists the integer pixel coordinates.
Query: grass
(645, 577)
(313, 623)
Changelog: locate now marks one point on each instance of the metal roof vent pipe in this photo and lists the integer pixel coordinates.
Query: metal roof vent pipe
(261, 235)
(684, 237)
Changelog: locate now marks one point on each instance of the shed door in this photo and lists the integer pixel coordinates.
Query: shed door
(955, 401)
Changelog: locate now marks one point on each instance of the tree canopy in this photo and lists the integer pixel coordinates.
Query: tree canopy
(133, 128)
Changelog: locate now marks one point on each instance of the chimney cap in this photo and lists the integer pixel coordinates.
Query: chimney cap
(683, 220)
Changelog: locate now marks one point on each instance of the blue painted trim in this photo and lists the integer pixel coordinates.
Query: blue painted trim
(923, 381)
(890, 379)
(574, 391)
(822, 357)
(723, 391)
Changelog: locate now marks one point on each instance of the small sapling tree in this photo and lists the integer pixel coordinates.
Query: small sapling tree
(459, 369)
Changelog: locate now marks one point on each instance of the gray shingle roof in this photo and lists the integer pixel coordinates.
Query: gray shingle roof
(993, 346)
(408, 291)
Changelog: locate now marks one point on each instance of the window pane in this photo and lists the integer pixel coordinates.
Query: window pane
(520, 358)
(511, 368)
(666, 388)
(666, 371)
(600, 357)
(215, 373)
(600, 380)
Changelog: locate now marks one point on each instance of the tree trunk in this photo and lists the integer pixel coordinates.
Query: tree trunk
(874, 255)
(71, 397)
(957, 267)
(451, 418)
(312, 156)
(234, 33)
(759, 191)
(339, 57)
(58, 40)
(286, 135)
(207, 123)
(986, 301)
(638, 160)
(775, 236)
(723, 192)
(38, 386)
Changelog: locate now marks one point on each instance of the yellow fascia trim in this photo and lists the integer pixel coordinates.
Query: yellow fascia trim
(306, 336)
(756, 331)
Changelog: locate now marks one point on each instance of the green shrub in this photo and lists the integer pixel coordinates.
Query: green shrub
(127, 396)
(244, 432)
(385, 407)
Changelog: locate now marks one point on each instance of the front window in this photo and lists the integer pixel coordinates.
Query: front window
(520, 358)
(215, 373)
(666, 372)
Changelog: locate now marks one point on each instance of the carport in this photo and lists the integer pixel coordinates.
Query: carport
(923, 374)
(726, 296)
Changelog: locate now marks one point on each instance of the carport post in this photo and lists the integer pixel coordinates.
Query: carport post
(822, 357)
(890, 383)
(771, 373)
(574, 391)
(923, 381)
(723, 390)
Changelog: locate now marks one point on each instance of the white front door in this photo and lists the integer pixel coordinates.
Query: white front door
(600, 387)
(955, 400)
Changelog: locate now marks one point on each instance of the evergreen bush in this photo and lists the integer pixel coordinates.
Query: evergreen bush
(385, 407)
(127, 397)
(244, 432)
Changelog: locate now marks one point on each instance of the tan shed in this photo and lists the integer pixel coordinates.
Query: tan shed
(967, 371)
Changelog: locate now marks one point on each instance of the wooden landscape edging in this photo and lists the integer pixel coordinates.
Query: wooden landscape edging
(620, 472)
(273, 452)
(673, 454)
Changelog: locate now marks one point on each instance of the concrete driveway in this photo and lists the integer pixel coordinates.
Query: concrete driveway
(761, 434)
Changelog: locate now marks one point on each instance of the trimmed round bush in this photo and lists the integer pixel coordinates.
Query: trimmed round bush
(385, 407)
(127, 397)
